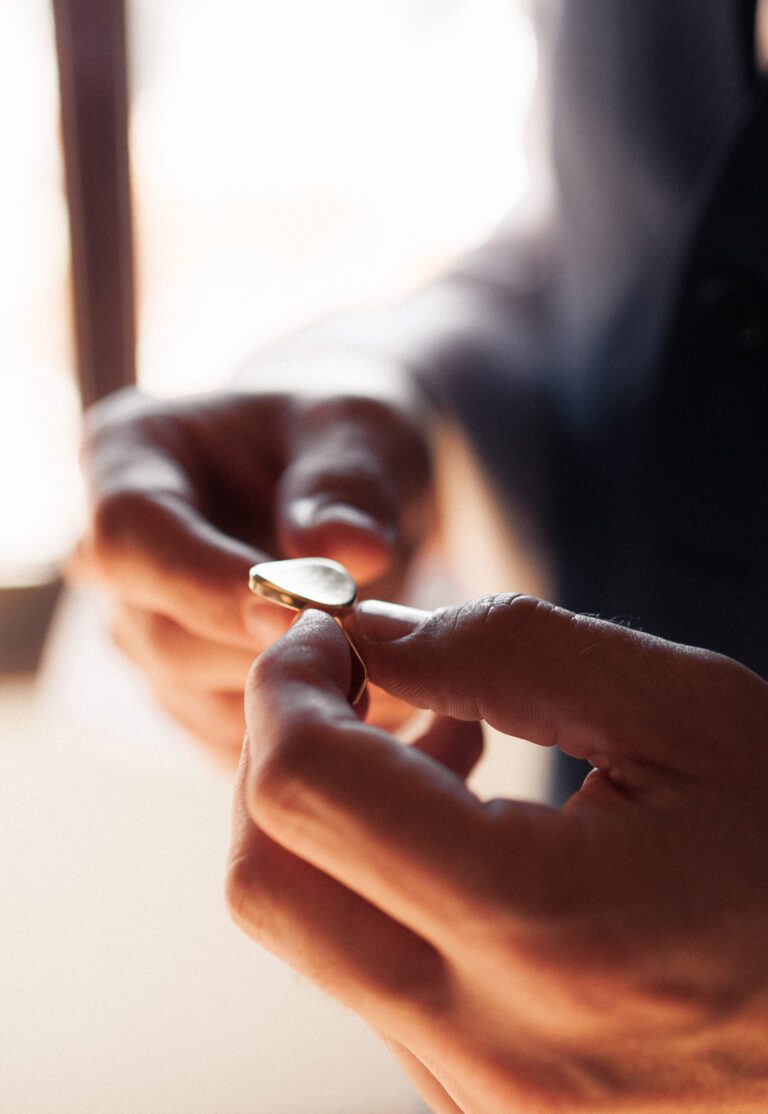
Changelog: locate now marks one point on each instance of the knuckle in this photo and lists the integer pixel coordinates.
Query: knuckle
(513, 611)
(115, 513)
(265, 680)
(462, 645)
(280, 782)
(130, 445)
(495, 620)
(238, 888)
(248, 892)
(120, 408)
(115, 429)
(500, 609)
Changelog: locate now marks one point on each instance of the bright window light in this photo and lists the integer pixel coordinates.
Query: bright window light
(290, 160)
(39, 489)
(297, 158)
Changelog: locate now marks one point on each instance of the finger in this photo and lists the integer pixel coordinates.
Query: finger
(151, 537)
(597, 690)
(386, 711)
(358, 472)
(214, 719)
(347, 947)
(424, 1081)
(382, 818)
(164, 558)
(455, 744)
(175, 658)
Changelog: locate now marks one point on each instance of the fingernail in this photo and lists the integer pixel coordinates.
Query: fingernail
(310, 512)
(385, 622)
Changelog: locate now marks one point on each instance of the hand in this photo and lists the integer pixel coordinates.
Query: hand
(186, 495)
(607, 957)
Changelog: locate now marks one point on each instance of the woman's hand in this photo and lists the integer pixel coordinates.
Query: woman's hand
(608, 957)
(187, 495)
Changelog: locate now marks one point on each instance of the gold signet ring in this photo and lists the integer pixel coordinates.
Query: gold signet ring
(313, 582)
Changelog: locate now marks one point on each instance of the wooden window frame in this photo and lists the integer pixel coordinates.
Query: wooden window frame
(91, 47)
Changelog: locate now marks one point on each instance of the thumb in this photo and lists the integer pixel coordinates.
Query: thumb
(359, 468)
(594, 689)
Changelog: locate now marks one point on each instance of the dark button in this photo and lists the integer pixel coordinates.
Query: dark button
(732, 308)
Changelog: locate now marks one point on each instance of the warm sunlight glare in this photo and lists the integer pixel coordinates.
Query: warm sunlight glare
(38, 411)
(298, 158)
(290, 160)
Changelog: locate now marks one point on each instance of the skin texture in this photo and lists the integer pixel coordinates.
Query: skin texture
(610, 956)
(187, 494)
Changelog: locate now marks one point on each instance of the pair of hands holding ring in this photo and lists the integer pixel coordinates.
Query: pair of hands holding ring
(609, 956)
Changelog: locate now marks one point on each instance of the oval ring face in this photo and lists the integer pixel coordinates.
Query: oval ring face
(304, 582)
(313, 582)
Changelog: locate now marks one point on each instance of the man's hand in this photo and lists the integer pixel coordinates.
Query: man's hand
(186, 495)
(612, 956)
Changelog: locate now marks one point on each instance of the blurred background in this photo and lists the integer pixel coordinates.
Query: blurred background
(289, 160)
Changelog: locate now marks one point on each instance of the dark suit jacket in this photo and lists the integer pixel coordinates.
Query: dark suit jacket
(660, 491)
(611, 365)
(661, 147)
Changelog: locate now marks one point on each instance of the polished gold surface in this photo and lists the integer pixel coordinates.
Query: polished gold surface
(313, 582)
(305, 582)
